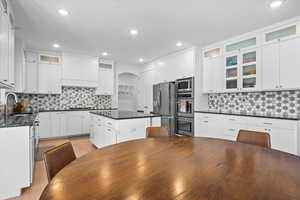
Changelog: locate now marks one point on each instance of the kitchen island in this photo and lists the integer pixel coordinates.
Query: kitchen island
(115, 126)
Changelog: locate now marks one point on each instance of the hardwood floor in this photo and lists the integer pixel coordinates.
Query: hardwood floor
(81, 146)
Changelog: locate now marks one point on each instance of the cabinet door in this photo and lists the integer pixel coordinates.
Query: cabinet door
(74, 123)
(270, 66)
(202, 128)
(213, 75)
(4, 46)
(11, 56)
(208, 76)
(56, 130)
(79, 68)
(289, 63)
(250, 69)
(99, 136)
(49, 78)
(284, 140)
(45, 125)
(109, 136)
(86, 122)
(31, 73)
(232, 72)
(106, 82)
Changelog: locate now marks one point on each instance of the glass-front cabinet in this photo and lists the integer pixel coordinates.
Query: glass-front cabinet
(231, 71)
(283, 33)
(241, 71)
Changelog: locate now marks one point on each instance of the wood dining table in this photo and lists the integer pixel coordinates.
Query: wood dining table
(181, 168)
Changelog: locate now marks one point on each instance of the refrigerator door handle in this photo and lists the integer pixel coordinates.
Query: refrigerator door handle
(159, 100)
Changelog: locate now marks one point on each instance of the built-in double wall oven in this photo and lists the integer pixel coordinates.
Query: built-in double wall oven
(185, 107)
(185, 126)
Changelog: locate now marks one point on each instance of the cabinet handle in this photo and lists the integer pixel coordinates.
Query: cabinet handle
(231, 129)
(108, 130)
(109, 123)
(231, 119)
(205, 121)
(268, 123)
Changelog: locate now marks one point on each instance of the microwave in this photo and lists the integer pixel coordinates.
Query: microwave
(185, 85)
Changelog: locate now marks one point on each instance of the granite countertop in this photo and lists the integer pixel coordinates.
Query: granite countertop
(76, 109)
(18, 121)
(121, 114)
(262, 115)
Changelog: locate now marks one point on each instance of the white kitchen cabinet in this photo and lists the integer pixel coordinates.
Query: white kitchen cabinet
(242, 70)
(108, 131)
(92, 126)
(64, 124)
(105, 78)
(270, 63)
(79, 70)
(74, 123)
(280, 64)
(11, 61)
(19, 66)
(4, 47)
(132, 130)
(57, 121)
(16, 161)
(31, 72)
(213, 75)
(289, 62)
(49, 79)
(284, 133)
(45, 125)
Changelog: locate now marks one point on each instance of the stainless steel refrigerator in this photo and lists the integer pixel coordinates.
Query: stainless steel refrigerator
(164, 103)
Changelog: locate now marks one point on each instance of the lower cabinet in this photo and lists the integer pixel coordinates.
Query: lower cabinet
(62, 124)
(284, 133)
(106, 131)
(17, 160)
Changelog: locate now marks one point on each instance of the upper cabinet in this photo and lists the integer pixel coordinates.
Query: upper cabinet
(6, 46)
(213, 74)
(42, 73)
(79, 70)
(241, 70)
(267, 60)
(105, 78)
(240, 45)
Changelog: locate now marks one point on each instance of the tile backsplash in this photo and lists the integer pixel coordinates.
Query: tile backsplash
(71, 97)
(276, 102)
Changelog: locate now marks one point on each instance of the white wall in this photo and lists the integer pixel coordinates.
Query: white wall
(168, 68)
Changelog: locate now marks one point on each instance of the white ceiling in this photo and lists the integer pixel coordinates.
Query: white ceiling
(94, 26)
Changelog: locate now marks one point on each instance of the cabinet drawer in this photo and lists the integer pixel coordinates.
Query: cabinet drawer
(109, 123)
(275, 123)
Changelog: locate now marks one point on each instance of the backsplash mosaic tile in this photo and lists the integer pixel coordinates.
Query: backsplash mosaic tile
(269, 103)
(71, 97)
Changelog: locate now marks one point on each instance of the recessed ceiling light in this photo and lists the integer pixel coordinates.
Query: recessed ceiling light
(141, 60)
(276, 3)
(56, 46)
(179, 44)
(161, 63)
(104, 54)
(63, 12)
(134, 32)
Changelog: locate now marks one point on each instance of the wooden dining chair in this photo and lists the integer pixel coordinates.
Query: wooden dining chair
(159, 131)
(57, 158)
(255, 138)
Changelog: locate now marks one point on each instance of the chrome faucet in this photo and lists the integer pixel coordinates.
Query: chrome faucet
(6, 100)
